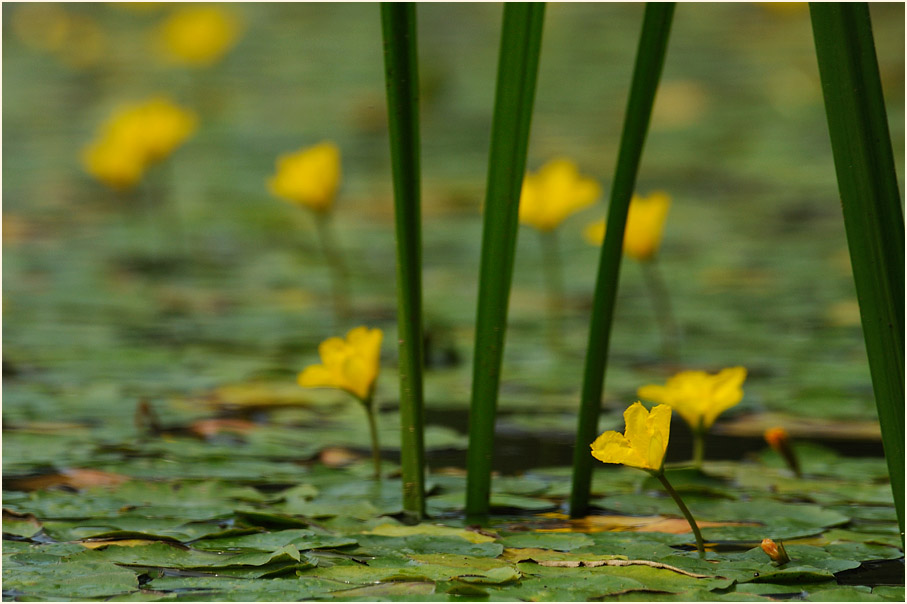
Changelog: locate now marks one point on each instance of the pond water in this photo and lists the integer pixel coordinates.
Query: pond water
(203, 295)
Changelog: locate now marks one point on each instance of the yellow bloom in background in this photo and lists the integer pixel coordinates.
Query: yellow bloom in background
(350, 364)
(697, 396)
(116, 165)
(643, 443)
(645, 226)
(135, 137)
(198, 35)
(308, 177)
(555, 192)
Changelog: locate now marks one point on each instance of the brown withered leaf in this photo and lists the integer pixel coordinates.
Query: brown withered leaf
(639, 524)
(77, 478)
(206, 428)
(337, 457)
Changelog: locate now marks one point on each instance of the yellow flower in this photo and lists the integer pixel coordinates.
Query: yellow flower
(554, 192)
(643, 443)
(645, 226)
(309, 177)
(116, 165)
(698, 397)
(351, 364)
(198, 35)
(133, 138)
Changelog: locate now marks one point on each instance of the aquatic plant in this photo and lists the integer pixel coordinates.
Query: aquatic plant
(352, 365)
(643, 445)
(699, 398)
(778, 439)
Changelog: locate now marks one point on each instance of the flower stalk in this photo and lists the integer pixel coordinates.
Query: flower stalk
(661, 300)
(339, 273)
(554, 283)
(700, 546)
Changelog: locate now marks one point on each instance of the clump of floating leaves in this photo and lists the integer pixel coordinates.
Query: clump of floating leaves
(643, 445)
(135, 137)
(352, 365)
(699, 398)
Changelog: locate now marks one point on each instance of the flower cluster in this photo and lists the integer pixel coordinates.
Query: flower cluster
(135, 137)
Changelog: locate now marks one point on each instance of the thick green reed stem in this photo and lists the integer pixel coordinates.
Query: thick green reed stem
(873, 218)
(653, 42)
(521, 40)
(401, 76)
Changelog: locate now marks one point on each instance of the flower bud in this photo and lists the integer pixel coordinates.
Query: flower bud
(775, 551)
(778, 439)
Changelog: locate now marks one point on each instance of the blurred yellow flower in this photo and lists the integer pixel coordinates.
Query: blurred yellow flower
(645, 226)
(135, 137)
(698, 397)
(555, 192)
(198, 35)
(351, 364)
(308, 177)
(643, 443)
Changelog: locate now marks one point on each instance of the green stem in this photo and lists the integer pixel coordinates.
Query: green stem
(870, 199)
(521, 38)
(554, 282)
(373, 432)
(661, 301)
(660, 475)
(653, 42)
(339, 273)
(401, 77)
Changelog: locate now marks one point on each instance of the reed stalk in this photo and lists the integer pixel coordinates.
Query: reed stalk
(402, 79)
(653, 42)
(873, 219)
(521, 38)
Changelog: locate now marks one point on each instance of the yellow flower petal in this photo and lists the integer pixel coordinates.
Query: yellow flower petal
(351, 364)
(646, 219)
(308, 177)
(644, 442)
(555, 192)
(697, 396)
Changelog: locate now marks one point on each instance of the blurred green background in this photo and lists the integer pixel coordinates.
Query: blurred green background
(201, 279)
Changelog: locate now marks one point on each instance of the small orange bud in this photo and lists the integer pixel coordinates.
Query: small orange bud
(775, 551)
(778, 439)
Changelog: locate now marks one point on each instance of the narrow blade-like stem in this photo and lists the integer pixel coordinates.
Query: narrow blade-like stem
(521, 39)
(700, 545)
(653, 42)
(401, 76)
(873, 218)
